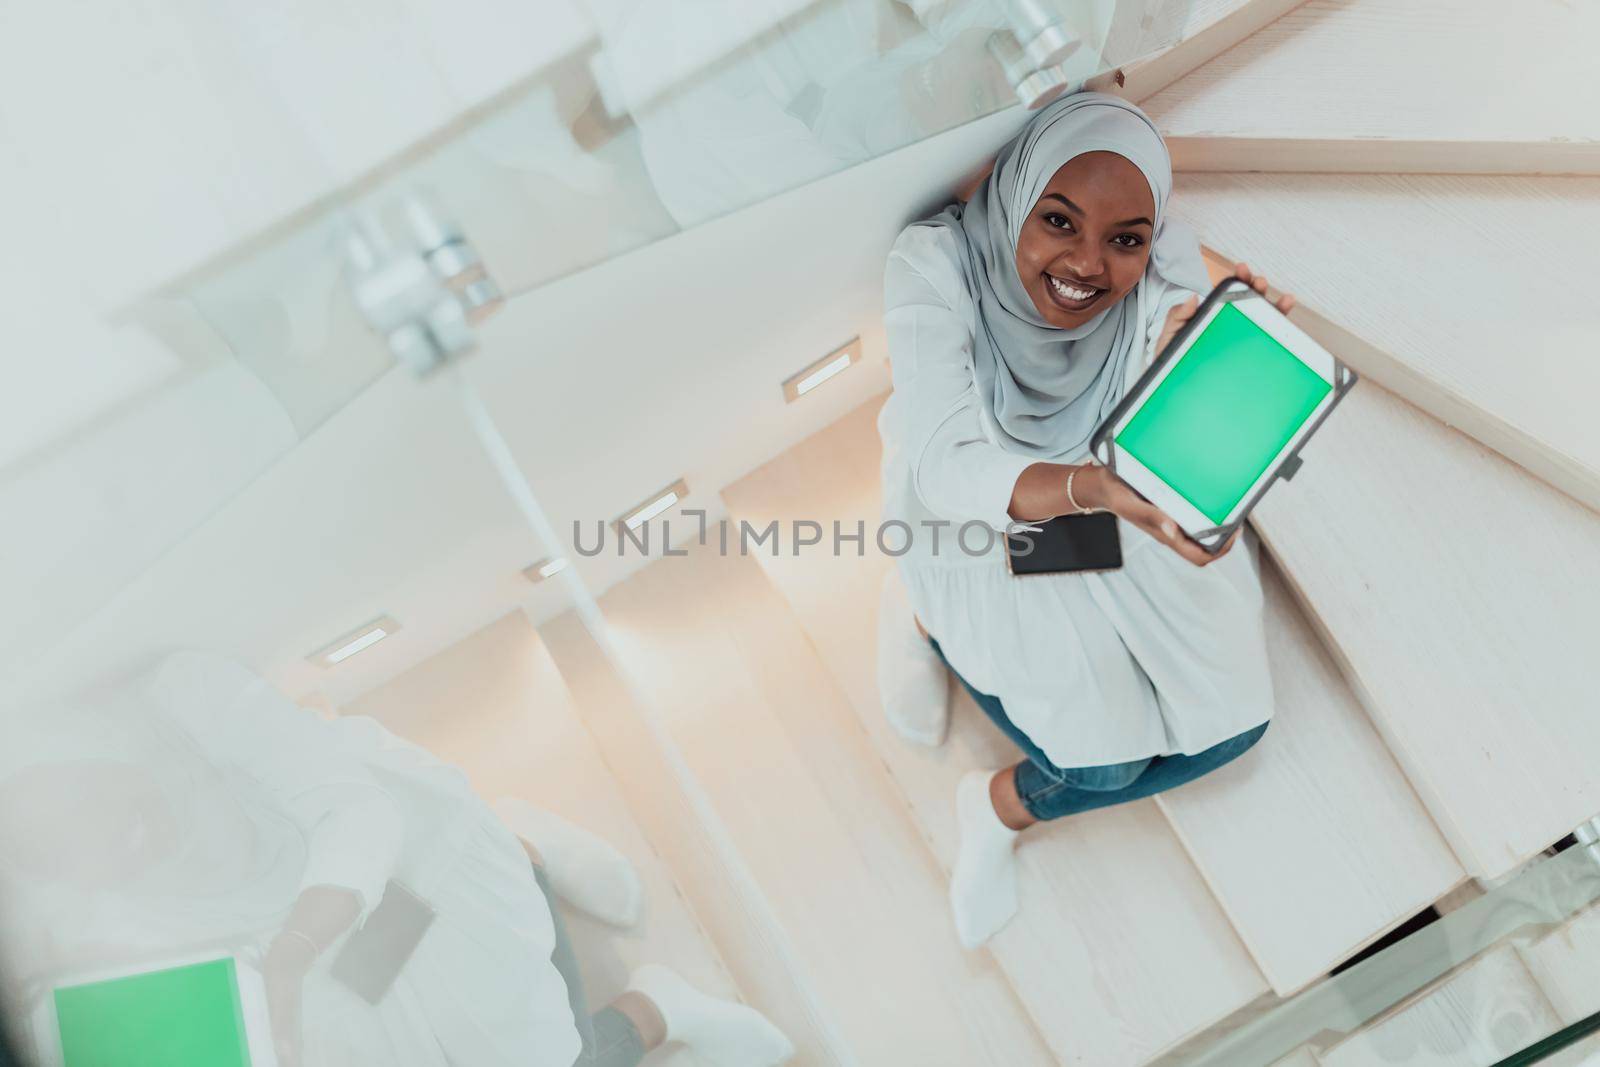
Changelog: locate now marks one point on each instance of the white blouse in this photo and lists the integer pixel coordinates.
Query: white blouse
(1156, 658)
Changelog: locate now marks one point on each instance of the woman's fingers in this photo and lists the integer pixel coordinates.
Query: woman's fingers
(1233, 539)
(1176, 317)
(1285, 302)
(1161, 526)
(1123, 501)
(1181, 313)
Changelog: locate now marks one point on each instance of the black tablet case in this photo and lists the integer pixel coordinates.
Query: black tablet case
(1228, 291)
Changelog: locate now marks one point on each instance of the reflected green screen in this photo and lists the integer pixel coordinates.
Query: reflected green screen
(179, 1017)
(1223, 413)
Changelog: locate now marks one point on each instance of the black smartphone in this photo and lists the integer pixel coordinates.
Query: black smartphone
(373, 956)
(1065, 544)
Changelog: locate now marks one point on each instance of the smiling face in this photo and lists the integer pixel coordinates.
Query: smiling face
(1085, 244)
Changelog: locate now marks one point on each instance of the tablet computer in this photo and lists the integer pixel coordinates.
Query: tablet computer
(207, 1010)
(1222, 413)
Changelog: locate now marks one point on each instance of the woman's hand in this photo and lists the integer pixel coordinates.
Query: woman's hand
(1097, 487)
(1183, 312)
(283, 971)
(321, 913)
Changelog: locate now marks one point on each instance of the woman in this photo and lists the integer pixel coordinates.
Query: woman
(1015, 323)
(204, 808)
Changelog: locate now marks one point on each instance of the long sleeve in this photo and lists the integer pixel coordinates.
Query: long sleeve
(956, 471)
(242, 725)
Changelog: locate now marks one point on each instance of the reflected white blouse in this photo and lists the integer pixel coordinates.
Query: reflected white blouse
(267, 800)
(1157, 658)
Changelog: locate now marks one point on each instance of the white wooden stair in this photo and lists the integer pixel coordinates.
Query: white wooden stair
(1312, 848)
(775, 745)
(1457, 593)
(1425, 86)
(1314, 842)
(1472, 297)
(1451, 585)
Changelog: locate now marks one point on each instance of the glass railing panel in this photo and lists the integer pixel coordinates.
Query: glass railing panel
(1492, 981)
(278, 727)
(203, 772)
(622, 124)
(664, 116)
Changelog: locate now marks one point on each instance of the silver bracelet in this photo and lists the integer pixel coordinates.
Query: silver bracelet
(1077, 508)
(316, 950)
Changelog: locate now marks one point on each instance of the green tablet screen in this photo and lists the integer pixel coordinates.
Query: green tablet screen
(179, 1017)
(1223, 413)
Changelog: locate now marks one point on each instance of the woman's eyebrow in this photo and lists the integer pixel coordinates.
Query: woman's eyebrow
(1076, 210)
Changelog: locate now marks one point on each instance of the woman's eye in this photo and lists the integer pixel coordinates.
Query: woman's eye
(1060, 222)
(1128, 240)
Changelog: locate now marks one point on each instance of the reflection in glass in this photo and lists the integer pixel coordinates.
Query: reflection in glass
(1456, 991)
(375, 909)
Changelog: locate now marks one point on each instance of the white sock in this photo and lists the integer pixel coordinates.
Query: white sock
(983, 886)
(584, 870)
(912, 680)
(721, 1033)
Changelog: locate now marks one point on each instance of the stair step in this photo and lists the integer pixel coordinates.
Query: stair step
(1392, 275)
(753, 947)
(777, 749)
(1120, 950)
(1566, 963)
(495, 706)
(1480, 1014)
(1337, 85)
(1314, 842)
(1457, 594)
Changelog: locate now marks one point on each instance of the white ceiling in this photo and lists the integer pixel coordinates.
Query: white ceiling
(613, 382)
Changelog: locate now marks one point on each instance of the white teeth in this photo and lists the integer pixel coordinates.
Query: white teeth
(1070, 292)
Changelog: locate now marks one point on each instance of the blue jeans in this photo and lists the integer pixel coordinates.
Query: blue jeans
(1050, 792)
(609, 1038)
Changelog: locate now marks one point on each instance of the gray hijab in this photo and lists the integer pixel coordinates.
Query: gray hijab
(1047, 388)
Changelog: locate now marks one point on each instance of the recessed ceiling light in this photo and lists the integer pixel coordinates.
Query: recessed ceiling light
(545, 568)
(652, 506)
(356, 640)
(814, 374)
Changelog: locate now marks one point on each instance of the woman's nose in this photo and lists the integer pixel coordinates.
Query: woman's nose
(1086, 263)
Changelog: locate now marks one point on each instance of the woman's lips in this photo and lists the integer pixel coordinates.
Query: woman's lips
(1070, 296)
